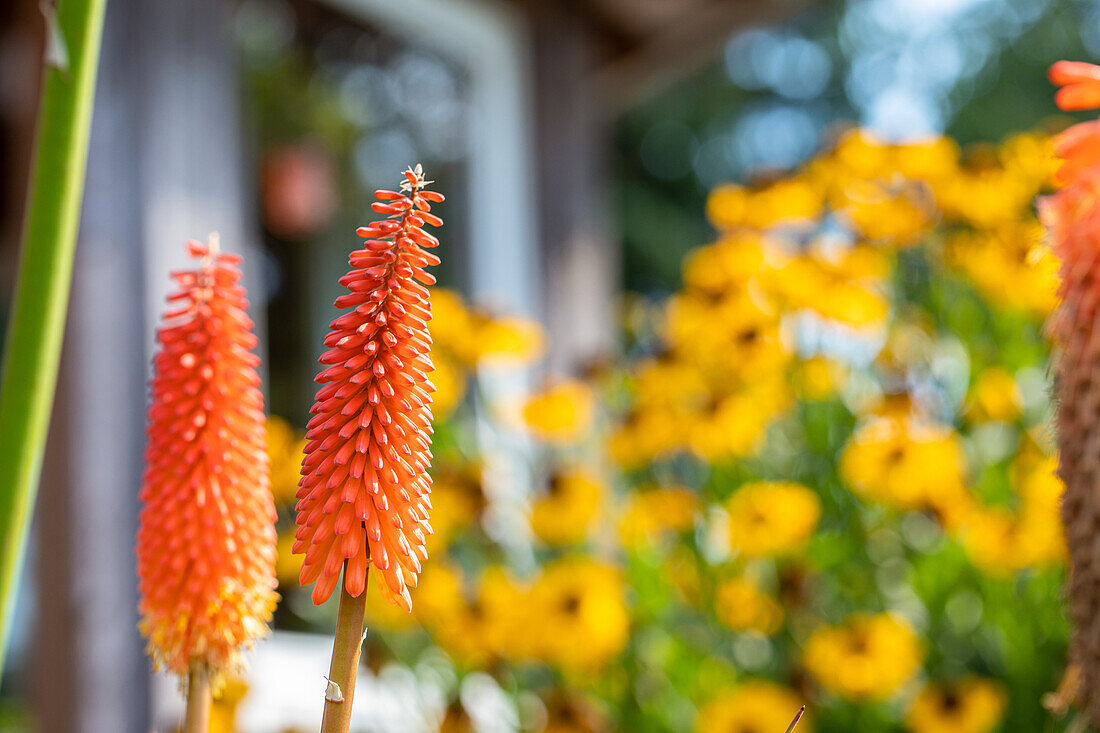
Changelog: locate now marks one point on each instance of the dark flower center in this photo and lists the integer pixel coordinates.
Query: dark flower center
(555, 486)
(858, 644)
(748, 336)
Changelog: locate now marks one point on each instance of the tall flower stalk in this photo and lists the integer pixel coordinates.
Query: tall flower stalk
(363, 496)
(206, 542)
(1072, 216)
(32, 350)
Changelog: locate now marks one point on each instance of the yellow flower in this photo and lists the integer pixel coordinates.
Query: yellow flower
(934, 160)
(732, 206)
(736, 335)
(771, 517)
(680, 405)
(852, 304)
(650, 516)
(846, 287)
(1030, 157)
(583, 620)
(906, 464)
(867, 657)
(464, 337)
(893, 215)
(986, 196)
(564, 514)
(669, 383)
(223, 710)
(457, 502)
(561, 413)
(450, 386)
(507, 341)
(1009, 265)
(287, 564)
(727, 206)
(819, 377)
(995, 396)
(741, 606)
(505, 608)
(1041, 490)
(972, 705)
(726, 265)
(732, 424)
(383, 613)
(644, 435)
(457, 624)
(991, 540)
(452, 325)
(752, 707)
(1001, 541)
(439, 594)
(786, 200)
(284, 450)
(474, 629)
(859, 154)
(665, 390)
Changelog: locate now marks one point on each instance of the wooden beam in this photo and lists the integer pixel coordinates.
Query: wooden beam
(580, 258)
(485, 39)
(677, 48)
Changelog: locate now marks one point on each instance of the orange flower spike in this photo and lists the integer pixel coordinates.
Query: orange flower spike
(363, 496)
(206, 542)
(1072, 217)
(1080, 84)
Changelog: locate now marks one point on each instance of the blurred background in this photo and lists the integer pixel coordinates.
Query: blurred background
(743, 384)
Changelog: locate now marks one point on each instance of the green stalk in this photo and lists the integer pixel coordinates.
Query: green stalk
(347, 645)
(33, 346)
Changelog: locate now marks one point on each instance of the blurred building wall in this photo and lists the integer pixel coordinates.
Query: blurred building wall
(165, 165)
(489, 41)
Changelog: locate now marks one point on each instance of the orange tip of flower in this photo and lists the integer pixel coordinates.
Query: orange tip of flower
(1080, 82)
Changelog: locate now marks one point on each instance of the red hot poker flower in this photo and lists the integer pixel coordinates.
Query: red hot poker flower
(1072, 216)
(363, 497)
(206, 542)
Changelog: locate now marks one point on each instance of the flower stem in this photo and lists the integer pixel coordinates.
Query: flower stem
(37, 322)
(797, 717)
(346, 647)
(198, 700)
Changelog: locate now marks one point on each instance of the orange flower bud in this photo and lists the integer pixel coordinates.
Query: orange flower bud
(1080, 84)
(363, 497)
(206, 543)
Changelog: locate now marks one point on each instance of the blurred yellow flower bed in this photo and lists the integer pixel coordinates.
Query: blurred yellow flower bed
(819, 474)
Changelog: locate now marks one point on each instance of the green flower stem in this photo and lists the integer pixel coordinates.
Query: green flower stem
(33, 347)
(346, 648)
(797, 717)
